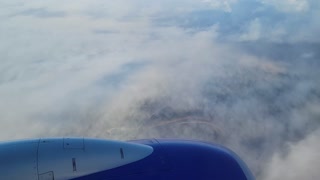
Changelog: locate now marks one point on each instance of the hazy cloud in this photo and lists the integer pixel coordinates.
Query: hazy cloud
(296, 164)
(240, 73)
(225, 5)
(42, 13)
(290, 6)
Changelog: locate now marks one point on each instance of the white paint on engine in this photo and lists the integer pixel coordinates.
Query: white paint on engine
(65, 158)
(18, 160)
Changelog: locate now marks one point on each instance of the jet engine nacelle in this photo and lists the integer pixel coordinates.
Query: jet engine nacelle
(65, 158)
(97, 159)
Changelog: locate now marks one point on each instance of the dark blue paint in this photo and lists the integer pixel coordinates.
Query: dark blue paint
(177, 159)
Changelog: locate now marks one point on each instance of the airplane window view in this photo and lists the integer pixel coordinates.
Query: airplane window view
(169, 89)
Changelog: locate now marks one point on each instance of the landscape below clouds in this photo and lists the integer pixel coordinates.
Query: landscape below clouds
(241, 73)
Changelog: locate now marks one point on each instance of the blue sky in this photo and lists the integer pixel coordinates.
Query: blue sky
(242, 73)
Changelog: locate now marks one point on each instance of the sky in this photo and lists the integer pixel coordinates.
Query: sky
(241, 73)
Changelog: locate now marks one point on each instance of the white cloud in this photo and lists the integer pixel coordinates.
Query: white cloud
(291, 6)
(302, 162)
(225, 5)
(75, 75)
(254, 31)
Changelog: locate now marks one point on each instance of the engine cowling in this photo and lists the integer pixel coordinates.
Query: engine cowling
(65, 158)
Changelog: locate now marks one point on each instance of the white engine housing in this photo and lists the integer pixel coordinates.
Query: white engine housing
(65, 158)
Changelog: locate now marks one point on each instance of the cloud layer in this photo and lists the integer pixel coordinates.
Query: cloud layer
(240, 73)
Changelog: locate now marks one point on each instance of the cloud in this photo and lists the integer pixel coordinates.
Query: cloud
(240, 73)
(224, 5)
(42, 13)
(291, 6)
(296, 164)
(260, 20)
(254, 31)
